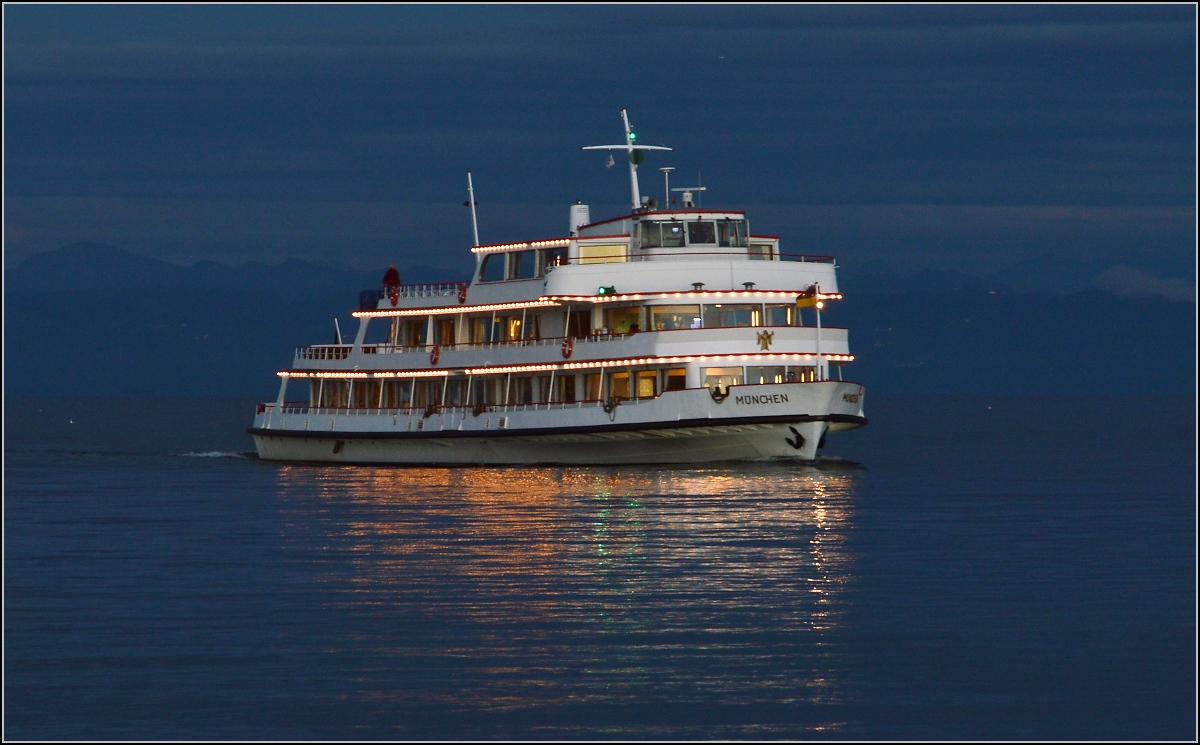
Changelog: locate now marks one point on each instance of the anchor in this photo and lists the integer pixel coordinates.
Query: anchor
(799, 441)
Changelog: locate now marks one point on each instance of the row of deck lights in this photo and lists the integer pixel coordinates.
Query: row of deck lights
(608, 295)
(551, 243)
(557, 366)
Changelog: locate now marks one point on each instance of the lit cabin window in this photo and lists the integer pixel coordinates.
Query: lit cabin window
(666, 317)
(701, 232)
(551, 257)
(732, 233)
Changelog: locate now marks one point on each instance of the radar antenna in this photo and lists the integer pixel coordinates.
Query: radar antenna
(635, 153)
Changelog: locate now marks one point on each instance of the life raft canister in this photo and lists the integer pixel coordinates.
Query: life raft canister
(434, 354)
(568, 346)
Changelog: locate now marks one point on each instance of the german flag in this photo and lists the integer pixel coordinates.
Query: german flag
(808, 298)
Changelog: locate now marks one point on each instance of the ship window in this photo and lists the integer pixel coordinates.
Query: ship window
(492, 269)
(651, 235)
(522, 265)
(779, 315)
(676, 379)
(552, 257)
(672, 234)
(770, 374)
(566, 389)
(603, 254)
(664, 317)
(701, 232)
(761, 252)
(732, 233)
(456, 393)
(622, 320)
(722, 377)
(646, 383)
(510, 328)
(618, 385)
(445, 332)
(716, 316)
(579, 323)
(591, 384)
(414, 333)
(522, 391)
(801, 374)
(484, 330)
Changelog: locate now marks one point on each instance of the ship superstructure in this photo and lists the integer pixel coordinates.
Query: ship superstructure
(659, 336)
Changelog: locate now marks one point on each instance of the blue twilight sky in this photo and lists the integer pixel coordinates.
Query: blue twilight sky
(963, 137)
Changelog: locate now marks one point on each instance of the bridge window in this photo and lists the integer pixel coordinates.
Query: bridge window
(672, 234)
(701, 232)
(651, 235)
(732, 233)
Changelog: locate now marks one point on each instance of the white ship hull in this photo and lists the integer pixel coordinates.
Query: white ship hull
(783, 421)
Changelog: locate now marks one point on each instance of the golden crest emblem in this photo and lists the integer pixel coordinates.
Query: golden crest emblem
(764, 340)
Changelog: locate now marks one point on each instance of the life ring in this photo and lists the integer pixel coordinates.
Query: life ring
(434, 354)
(462, 294)
(394, 294)
(568, 346)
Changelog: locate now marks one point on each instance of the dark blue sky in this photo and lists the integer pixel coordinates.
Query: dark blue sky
(967, 137)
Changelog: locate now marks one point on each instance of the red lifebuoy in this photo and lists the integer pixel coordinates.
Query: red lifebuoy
(568, 346)
(462, 294)
(395, 295)
(434, 354)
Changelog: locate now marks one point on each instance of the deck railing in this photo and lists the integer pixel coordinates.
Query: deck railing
(297, 408)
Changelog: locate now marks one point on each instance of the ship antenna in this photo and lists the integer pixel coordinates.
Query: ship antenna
(666, 172)
(635, 153)
(471, 203)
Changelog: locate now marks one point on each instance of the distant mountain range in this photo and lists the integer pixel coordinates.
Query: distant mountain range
(97, 266)
(90, 319)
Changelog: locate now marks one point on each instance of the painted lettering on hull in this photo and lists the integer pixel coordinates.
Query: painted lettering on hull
(771, 398)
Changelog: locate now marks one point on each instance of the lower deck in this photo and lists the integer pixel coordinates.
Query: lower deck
(742, 422)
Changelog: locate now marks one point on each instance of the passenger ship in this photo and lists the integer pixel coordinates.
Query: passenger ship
(659, 336)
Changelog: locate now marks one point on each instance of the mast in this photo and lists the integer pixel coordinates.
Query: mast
(635, 154)
(471, 202)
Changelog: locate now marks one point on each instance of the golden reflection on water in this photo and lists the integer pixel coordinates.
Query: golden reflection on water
(564, 586)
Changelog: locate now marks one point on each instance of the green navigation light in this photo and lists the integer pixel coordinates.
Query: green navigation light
(610, 290)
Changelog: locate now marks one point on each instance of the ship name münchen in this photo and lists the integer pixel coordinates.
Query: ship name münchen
(774, 398)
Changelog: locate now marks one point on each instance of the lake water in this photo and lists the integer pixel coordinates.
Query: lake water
(962, 568)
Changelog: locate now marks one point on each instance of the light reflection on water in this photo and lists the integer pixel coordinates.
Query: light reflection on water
(544, 589)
